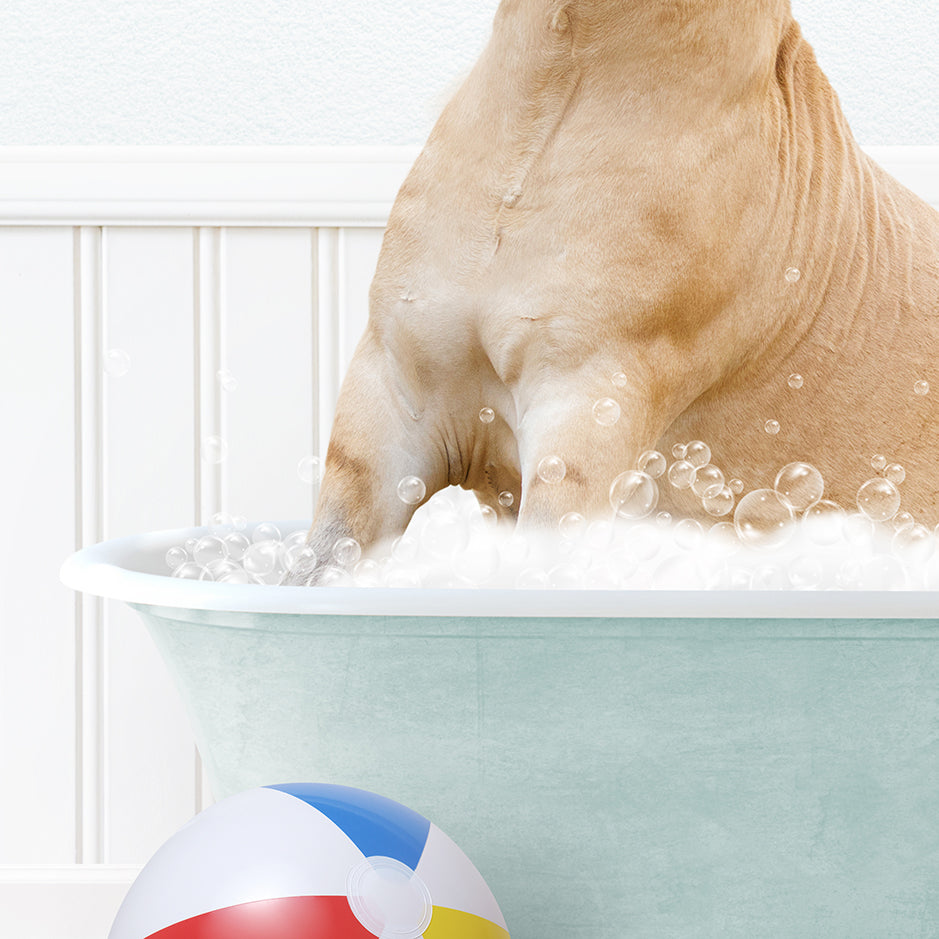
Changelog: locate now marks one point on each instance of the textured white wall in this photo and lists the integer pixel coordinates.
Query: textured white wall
(311, 72)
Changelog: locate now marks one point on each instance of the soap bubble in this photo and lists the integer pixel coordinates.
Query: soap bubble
(652, 463)
(346, 551)
(403, 579)
(506, 499)
(633, 494)
(620, 379)
(237, 576)
(175, 557)
(689, 534)
(444, 535)
(487, 516)
(878, 462)
(487, 415)
(895, 473)
(720, 502)
(572, 526)
(823, 522)
(678, 451)
(736, 486)
(221, 567)
(883, 572)
(188, 571)
(769, 576)
(299, 555)
(793, 274)
(698, 453)
(762, 519)
(771, 427)
(681, 474)
(606, 412)
(236, 544)
(532, 578)
(209, 548)
(878, 499)
(663, 518)
(411, 490)
(805, 572)
(226, 380)
(914, 543)
(265, 531)
(308, 470)
(921, 388)
(902, 520)
(214, 449)
(262, 557)
(367, 573)
(220, 524)
(599, 535)
(551, 469)
(566, 577)
(116, 363)
(705, 479)
(795, 380)
(800, 484)
(858, 529)
(405, 548)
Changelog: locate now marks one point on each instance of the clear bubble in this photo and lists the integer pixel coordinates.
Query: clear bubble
(487, 415)
(736, 486)
(698, 453)
(403, 579)
(299, 555)
(883, 572)
(914, 544)
(206, 574)
(308, 469)
(551, 469)
(227, 381)
(221, 567)
(236, 544)
(771, 427)
(346, 551)
(719, 503)
(633, 494)
(572, 526)
(175, 557)
(237, 576)
(795, 380)
(506, 499)
(858, 529)
(706, 478)
(405, 548)
(220, 524)
(367, 573)
(265, 531)
(411, 490)
(823, 522)
(606, 412)
(566, 577)
(895, 473)
(921, 388)
(878, 462)
(793, 274)
(678, 451)
(902, 520)
(209, 548)
(681, 474)
(663, 518)
(188, 571)
(116, 363)
(214, 449)
(769, 576)
(620, 379)
(762, 519)
(652, 463)
(488, 515)
(190, 543)
(806, 572)
(599, 536)
(262, 557)
(240, 522)
(800, 484)
(334, 577)
(689, 534)
(878, 499)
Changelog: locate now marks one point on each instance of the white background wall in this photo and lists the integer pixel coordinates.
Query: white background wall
(311, 72)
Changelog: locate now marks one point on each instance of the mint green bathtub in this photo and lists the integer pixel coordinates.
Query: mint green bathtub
(616, 764)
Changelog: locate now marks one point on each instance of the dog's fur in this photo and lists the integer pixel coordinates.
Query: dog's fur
(620, 186)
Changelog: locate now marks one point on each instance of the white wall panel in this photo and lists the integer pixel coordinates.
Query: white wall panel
(268, 341)
(360, 248)
(149, 483)
(38, 496)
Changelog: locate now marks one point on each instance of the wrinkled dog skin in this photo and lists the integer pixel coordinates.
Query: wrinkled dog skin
(620, 186)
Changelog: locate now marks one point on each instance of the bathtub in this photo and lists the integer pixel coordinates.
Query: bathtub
(651, 764)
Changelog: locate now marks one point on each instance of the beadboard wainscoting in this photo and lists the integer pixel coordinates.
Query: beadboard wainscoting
(130, 278)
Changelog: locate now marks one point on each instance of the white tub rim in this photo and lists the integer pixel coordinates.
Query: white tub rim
(110, 569)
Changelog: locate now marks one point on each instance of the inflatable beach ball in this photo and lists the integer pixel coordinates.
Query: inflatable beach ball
(309, 861)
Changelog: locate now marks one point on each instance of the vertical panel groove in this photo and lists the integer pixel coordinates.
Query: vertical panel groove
(91, 786)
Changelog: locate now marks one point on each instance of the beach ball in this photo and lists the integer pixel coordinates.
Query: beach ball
(309, 861)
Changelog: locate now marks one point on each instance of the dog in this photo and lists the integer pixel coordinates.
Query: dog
(664, 191)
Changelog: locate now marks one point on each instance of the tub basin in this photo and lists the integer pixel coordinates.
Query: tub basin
(650, 763)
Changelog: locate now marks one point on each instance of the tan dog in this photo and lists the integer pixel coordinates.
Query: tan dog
(620, 186)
